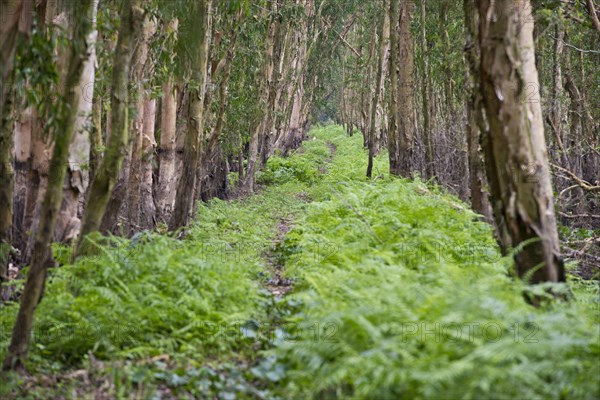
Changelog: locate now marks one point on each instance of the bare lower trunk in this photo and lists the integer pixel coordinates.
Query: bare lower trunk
(401, 161)
(68, 223)
(42, 255)
(427, 139)
(475, 122)
(261, 114)
(167, 179)
(147, 208)
(108, 170)
(133, 202)
(380, 54)
(516, 157)
(186, 186)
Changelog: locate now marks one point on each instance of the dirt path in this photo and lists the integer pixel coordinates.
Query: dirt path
(276, 284)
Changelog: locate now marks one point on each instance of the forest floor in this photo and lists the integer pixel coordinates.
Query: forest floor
(322, 285)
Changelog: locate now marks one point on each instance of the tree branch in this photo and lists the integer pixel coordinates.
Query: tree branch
(586, 185)
(592, 10)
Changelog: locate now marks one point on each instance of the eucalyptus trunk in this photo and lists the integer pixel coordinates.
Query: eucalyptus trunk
(42, 254)
(68, 223)
(8, 41)
(167, 182)
(515, 151)
(401, 152)
(108, 170)
(186, 186)
(475, 118)
(259, 120)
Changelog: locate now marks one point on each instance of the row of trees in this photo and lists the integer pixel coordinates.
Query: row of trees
(118, 115)
(453, 91)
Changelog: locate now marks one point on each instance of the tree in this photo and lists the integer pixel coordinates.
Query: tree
(66, 110)
(186, 186)
(68, 223)
(401, 134)
(475, 118)
(108, 170)
(378, 83)
(261, 112)
(515, 149)
(8, 42)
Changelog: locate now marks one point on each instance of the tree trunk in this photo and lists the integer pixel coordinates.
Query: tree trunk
(42, 254)
(261, 112)
(516, 157)
(108, 171)
(96, 137)
(147, 208)
(427, 139)
(475, 122)
(8, 40)
(184, 201)
(375, 103)
(133, 203)
(167, 179)
(68, 223)
(401, 162)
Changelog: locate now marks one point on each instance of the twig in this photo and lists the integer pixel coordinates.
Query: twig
(578, 215)
(575, 48)
(346, 43)
(574, 252)
(579, 181)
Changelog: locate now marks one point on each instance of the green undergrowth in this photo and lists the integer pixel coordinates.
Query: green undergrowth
(195, 300)
(409, 298)
(399, 292)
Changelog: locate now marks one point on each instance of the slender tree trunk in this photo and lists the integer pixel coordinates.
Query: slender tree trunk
(108, 170)
(375, 102)
(212, 158)
(516, 157)
(8, 40)
(42, 255)
(167, 179)
(427, 139)
(401, 162)
(96, 141)
(147, 207)
(184, 201)
(133, 203)
(393, 127)
(475, 119)
(68, 223)
(22, 146)
(263, 99)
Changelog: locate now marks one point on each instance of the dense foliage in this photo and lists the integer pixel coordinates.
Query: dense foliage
(400, 292)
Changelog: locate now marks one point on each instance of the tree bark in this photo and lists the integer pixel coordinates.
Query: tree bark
(375, 102)
(147, 208)
(42, 254)
(261, 111)
(68, 223)
(427, 139)
(184, 201)
(167, 179)
(401, 152)
(516, 157)
(475, 119)
(133, 203)
(96, 141)
(108, 170)
(8, 40)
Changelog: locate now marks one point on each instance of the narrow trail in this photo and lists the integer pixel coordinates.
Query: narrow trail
(277, 284)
